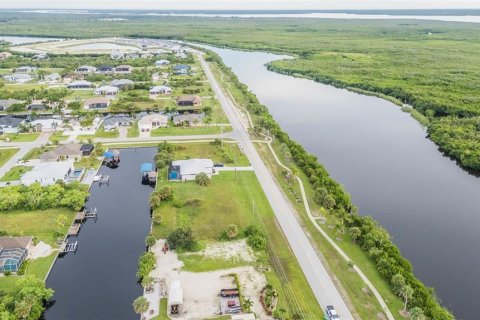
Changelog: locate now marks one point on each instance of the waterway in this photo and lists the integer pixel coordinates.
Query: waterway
(394, 173)
(99, 282)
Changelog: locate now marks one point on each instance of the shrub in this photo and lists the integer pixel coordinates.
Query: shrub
(202, 179)
(182, 240)
(157, 219)
(257, 242)
(150, 241)
(146, 264)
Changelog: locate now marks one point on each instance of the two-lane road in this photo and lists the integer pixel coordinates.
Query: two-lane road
(315, 272)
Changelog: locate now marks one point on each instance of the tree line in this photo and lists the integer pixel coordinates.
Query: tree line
(370, 236)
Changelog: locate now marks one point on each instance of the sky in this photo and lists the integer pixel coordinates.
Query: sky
(241, 4)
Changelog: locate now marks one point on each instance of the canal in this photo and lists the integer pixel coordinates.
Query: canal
(394, 173)
(99, 282)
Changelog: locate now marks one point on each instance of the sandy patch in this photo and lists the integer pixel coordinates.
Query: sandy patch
(201, 290)
(41, 250)
(229, 250)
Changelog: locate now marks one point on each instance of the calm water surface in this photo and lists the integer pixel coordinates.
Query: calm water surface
(99, 282)
(381, 155)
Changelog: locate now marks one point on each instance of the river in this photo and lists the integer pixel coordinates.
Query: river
(99, 281)
(394, 173)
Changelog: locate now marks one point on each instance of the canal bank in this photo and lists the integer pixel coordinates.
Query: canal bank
(99, 280)
(394, 173)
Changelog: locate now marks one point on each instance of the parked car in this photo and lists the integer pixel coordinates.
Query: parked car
(331, 313)
(218, 165)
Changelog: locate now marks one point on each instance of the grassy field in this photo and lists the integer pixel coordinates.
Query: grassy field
(15, 173)
(6, 154)
(133, 131)
(188, 131)
(214, 152)
(57, 137)
(230, 199)
(20, 137)
(40, 224)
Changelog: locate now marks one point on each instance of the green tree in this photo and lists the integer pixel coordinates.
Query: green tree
(416, 313)
(232, 231)
(202, 179)
(141, 305)
(147, 282)
(247, 305)
(150, 241)
(355, 233)
(398, 282)
(406, 293)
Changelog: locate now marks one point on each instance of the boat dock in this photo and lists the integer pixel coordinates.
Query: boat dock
(74, 229)
(69, 247)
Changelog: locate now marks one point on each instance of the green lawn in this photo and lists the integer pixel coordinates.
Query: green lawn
(20, 137)
(35, 153)
(187, 131)
(101, 133)
(87, 162)
(239, 199)
(6, 154)
(40, 224)
(163, 310)
(133, 131)
(57, 136)
(15, 173)
(230, 151)
(198, 263)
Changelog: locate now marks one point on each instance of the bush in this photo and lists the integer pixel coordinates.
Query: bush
(150, 241)
(202, 179)
(163, 194)
(257, 242)
(146, 264)
(157, 219)
(230, 233)
(182, 240)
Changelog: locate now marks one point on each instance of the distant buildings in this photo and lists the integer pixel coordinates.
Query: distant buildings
(9, 124)
(124, 68)
(112, 122)
(190, 120)
(161, 63)
(189, 101)
(181, 69)
(18, 77)
(117, 54)
(152, 121)
(96, 103)
(109, 91)
(5, 104)
(160, 90)
(5, 55)
(80, 84)
(25, 69)
(63, 152)
(123, 84)
(86, 69)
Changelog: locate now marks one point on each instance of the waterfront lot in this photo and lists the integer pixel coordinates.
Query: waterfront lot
(238, 198)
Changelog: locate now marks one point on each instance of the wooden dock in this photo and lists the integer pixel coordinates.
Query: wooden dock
(74, 229)
(80, 217)
(69, 247)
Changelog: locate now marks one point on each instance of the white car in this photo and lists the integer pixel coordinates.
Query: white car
(332, 313)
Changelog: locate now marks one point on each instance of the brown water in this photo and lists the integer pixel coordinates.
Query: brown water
(394, 173)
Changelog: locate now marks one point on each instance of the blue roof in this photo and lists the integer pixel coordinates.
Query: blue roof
(146, 167)
(108, 154)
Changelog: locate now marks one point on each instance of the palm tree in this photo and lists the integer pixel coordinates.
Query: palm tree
(147, 282)
(416, 313)
(406, 293)
(355, 233)
(247, 305)
(232, 231)
(141, 305)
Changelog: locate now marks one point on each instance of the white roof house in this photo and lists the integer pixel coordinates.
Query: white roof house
(160, 63)
(86, 69)
(18, 77)
(175, 295)
(47, 173)
(25, 69)
(80, 84)
(122, 83)
(152, 121)
(46, 125)
(161, 90)
(53, 77)
(188, 169)
(107, 90)
(117, 54)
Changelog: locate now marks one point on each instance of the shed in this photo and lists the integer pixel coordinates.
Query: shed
(175, 297)
(87, 149)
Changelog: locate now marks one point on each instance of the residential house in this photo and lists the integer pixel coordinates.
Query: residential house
(181, 69)
(40, 56)
(72, 76)
(108, 91)
(152, 121)
(18, 77)
(5, 104)
(13, 252)
(105, 70)
(191, 120)
(189, 101)
(117, 54)
(46, 125)
(86, 69)
(181, 54)
(96, 103)
(155, 77)
(161, 63)
(5, 55)
(112, 122)
(48, 173)
(124, 68)
(25, 69)
(123, 84)
(80, 84)
(63, 152)
(160, 90)
(187, 170)
(9, 124)
(132, 55)
(52, 78)
(37, 106)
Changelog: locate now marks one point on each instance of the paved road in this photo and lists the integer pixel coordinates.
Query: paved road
(315, 272)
